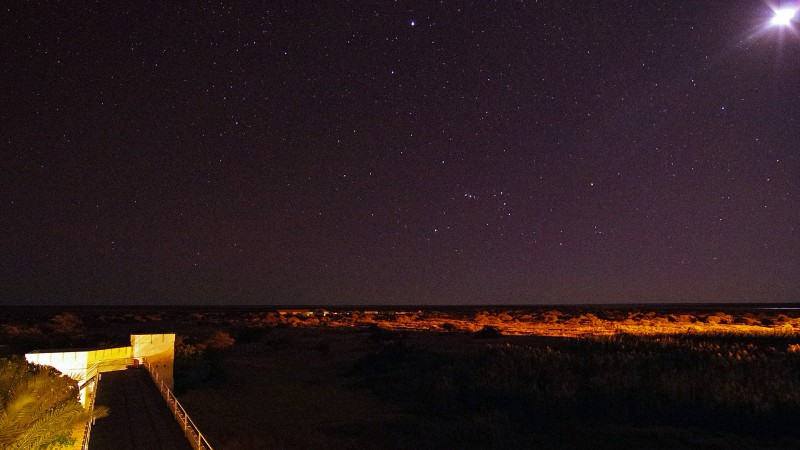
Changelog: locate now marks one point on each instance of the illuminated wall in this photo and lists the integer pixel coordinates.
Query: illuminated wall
(71, 364)
(157, 349)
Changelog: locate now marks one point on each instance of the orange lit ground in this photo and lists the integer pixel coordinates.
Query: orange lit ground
(305, 381)
(554, 323)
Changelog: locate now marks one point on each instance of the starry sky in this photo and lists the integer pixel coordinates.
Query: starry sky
(366, 152)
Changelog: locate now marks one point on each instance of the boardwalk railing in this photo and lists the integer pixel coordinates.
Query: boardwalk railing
(92, 376)
(190, 430)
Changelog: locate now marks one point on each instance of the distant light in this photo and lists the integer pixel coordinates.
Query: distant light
(413, 22)
(783, 17)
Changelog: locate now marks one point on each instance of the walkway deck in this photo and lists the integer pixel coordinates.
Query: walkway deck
(139, 419)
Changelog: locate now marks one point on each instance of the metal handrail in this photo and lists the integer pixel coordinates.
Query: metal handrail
(91, 372)
(190, 430)
(94, 371)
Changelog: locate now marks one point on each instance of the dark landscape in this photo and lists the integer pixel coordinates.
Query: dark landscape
(703, 376)
(281, 224)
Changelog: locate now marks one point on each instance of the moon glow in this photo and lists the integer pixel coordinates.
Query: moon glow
(783, 17)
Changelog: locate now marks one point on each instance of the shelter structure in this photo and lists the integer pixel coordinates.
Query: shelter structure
(84, 365)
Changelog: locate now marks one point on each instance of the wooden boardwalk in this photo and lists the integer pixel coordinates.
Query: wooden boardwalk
(139, 418)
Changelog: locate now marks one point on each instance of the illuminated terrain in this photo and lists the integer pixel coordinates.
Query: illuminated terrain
(550, 322)
(505, 377)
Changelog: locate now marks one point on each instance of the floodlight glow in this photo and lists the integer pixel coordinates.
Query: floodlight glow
(784, 17)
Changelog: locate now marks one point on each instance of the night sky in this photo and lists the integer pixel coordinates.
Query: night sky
(617, 151)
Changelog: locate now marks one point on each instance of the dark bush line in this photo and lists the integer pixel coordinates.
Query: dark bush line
(201, 364)
(712, 382)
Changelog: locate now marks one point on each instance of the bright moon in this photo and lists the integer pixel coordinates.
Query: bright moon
(784, 16)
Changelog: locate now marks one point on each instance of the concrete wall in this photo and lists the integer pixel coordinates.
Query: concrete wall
(110, 358)
(77, 365)
(157, 349)
(71, 364)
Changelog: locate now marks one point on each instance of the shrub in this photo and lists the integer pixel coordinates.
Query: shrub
(250, 335)
(220, 340)
(196, 367)
(19, 331)
(714, 382)
(447, 326)
(551, 316)
(487, 332)
(67, 324)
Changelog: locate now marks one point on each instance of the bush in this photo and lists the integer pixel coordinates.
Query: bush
(449, 327)
(487, 332)
(219, 341)
(730, 383)
(67, 324)
(201, 364)
(250, 335)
